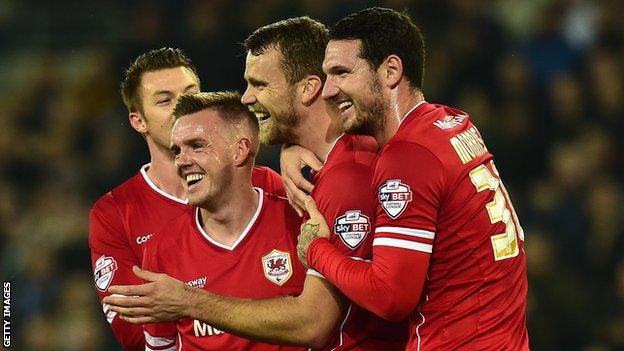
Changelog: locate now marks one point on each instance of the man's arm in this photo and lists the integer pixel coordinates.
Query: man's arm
(112, 260)
(391, 285)
(307, 319)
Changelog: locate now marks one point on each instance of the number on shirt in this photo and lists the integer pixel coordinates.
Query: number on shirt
(505, 245)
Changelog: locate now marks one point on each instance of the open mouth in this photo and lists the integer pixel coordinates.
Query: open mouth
(262, 117)
(345, 105)
(193, 178)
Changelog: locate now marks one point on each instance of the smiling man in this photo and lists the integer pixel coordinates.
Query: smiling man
(448, 248)
(125, 219)
(235, 240)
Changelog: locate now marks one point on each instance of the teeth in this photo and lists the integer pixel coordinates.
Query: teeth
(262, 116)
(345, 105)
(194, 177)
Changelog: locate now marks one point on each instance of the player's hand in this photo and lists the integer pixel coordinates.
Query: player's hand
(312, 229)
(292, 159)
(161, 299)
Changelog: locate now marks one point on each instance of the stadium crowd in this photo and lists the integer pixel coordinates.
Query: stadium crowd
(543, 80)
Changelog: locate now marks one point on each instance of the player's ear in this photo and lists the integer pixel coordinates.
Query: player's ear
(243, 152)
(311, 87)
(391, 71)
(138, 122)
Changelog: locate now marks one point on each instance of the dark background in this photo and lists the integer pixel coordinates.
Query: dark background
(542, 79)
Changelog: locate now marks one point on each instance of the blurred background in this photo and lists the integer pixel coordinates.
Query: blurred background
(542, 79)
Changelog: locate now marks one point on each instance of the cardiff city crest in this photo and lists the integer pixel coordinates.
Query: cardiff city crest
(104, 272)
(394, 197)
(352, 227)
(277, 266)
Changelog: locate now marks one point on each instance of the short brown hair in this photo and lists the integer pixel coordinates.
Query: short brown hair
(301, 42)
(228, 105)
(384, 32)
(148, 62)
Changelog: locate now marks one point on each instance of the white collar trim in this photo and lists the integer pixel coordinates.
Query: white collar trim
(332, 147)
(245, 231)
(157, 189)
(411, 110)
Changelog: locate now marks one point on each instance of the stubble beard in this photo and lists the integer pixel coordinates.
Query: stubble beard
(281, 130)
(370, 114)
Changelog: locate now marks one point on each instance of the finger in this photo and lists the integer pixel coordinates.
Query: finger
(126, 301)
(310, 159)
(130, 290)
(296, 208)
(132, 312)
(294, 205)
(296, 195)
(302, 183)
(145, 274)
(312, 210)
(139, 320)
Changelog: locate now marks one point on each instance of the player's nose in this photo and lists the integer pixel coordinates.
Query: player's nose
(182, 160)
(248, 97)
(329, 89)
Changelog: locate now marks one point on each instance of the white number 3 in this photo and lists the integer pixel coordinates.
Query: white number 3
(499, 209)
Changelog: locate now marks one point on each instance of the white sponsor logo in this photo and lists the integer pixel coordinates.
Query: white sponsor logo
(197, 283)
(143, 239)
(104, 272)
(277, 266)
(450, 122)
(203, 329)
(394, 197)
(352, 227)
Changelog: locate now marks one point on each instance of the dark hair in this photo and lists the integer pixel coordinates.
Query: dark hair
(384, 32)
(227, 103)
(301, 42)
(148, 62)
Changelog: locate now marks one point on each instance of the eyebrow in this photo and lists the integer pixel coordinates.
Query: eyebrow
(336, 68)
(188, 87)
(255, 82)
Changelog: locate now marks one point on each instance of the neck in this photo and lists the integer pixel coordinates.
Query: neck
(225, 216)
(317, 131)
(163, 172)
(402, 100)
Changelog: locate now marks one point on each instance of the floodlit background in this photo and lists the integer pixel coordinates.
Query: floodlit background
(542, 79)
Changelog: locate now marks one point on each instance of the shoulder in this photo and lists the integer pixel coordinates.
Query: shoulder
(267, 179)
(444, 132)
(276, 209)
(121, 194)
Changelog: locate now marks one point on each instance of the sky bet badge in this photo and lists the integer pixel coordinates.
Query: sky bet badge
(352, 227)
(104, 271)
(277, 266)
(394, 197)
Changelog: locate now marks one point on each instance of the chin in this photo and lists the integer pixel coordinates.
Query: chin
(195, 200)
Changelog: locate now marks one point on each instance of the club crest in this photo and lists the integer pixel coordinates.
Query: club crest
(104, 272)
(352, 228)
(394, 197)
(277, 266)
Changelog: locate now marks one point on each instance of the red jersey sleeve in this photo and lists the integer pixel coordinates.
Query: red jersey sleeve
(267, 179)
(408, 183)
(344, 198)
(112, 260)
(158, 336)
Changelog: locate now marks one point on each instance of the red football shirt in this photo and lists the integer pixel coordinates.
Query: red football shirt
(120, 224)
(342, 191)
(448, 248)
(262, 263)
